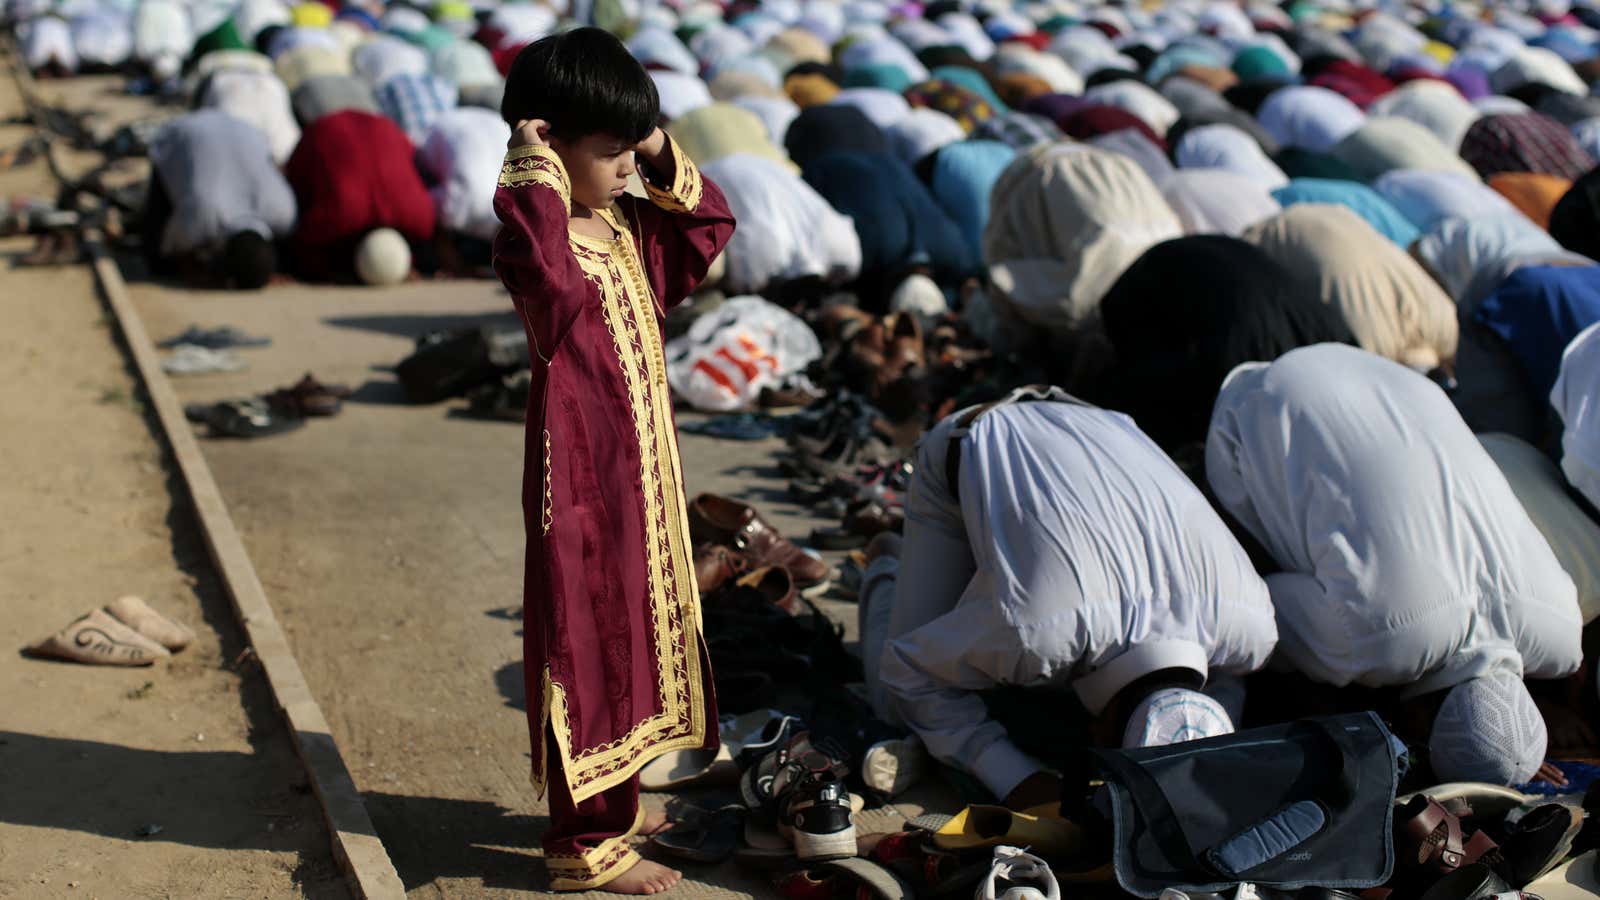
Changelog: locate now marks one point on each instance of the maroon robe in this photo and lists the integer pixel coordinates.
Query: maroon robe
(615, 666)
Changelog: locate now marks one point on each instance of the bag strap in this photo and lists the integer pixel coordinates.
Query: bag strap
(1024, 394)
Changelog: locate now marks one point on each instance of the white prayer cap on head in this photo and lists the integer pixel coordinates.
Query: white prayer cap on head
(1488, 730)
(383, 258)
(1174, 715)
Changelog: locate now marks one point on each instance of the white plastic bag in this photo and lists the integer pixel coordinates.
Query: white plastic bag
(730, 354)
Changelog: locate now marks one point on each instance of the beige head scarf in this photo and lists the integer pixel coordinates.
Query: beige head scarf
(1391, 304)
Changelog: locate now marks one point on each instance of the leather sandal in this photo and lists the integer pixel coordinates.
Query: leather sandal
(1428, 836)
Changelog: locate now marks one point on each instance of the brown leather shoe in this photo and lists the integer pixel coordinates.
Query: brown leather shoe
(776, 584)
(716, 565)
(719, 520)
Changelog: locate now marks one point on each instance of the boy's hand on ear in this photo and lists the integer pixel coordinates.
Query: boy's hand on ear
(529, 132)
(653, 146)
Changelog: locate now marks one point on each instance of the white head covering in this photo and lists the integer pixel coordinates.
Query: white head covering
(679, 93)
(1175, 715)
(1018, 58)
(1429, 197)
(920, 132)
(1227, 147)
(1139, 99)
(383, 258)
(1537, 65)
(883, 107)
(1217, 201)
(1434, 105)
(1488, 730)
(1311, 118)
(1456, 250)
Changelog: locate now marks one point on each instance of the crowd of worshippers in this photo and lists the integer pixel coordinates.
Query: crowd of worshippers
(1316, 282)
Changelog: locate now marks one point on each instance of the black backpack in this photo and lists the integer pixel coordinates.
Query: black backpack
(1301, 804)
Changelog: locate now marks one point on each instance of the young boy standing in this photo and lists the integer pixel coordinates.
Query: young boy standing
(617, 672)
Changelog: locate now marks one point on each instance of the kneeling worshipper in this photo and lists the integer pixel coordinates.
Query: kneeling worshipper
(1391, 305)
(1408, 564)
(216, 202)
(1052, 548)
(363, 206)
(1185, 314)
(460, 158)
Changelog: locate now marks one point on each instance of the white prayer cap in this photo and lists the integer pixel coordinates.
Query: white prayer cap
(1175, 715)
(919, 296)
(383, 258)
(1488, 730)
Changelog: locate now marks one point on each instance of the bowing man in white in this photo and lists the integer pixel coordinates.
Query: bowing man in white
(1061, 548)
(1407, 561)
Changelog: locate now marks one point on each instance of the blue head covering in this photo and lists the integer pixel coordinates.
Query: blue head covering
(1537, 311)
(1360, 199)
(964, 174)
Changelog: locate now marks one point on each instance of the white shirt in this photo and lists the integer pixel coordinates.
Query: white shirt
(1576, 398)
(1409, 560)
(162, 27)
(222, 181)
(1098, 562)
(47, 38)
(260, 99)
(1308, 117)
(461, 156)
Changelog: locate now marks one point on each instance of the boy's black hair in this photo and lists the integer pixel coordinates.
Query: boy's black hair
(582, 82)
(248, 261)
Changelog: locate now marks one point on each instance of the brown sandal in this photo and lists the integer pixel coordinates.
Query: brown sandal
(1437, 837)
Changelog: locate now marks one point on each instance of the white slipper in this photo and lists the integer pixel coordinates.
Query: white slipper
(136, 614)
(100, 640)
(193, 359)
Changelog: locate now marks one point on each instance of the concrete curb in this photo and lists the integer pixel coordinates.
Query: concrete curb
(356, 845)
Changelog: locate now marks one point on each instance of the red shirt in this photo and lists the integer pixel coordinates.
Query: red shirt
(353, 172)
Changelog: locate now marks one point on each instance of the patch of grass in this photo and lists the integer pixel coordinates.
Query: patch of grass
(120, 396)
(142, 691)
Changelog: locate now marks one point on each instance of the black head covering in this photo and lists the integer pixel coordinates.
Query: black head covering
(1108, 76)
(820, 130)
(1575, 222)
(1188, 311)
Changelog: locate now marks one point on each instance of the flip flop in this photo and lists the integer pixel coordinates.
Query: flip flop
(709, 838)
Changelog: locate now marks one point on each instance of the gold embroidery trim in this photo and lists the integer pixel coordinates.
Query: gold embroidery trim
(534, 164)
(629, 309)
(593, 868)
(687, 185)
(549, 517)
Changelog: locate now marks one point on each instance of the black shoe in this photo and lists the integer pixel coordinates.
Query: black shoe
(816, 812)
(1538, 842)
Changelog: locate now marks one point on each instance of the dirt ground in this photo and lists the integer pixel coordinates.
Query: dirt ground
(389, 540)
(90, 756)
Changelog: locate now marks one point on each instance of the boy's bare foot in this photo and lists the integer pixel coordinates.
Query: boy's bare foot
(655, 822)
(645, 877)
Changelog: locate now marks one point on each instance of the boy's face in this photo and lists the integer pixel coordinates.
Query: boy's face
(599, 166)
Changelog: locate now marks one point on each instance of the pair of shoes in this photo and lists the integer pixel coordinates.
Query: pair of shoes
(715, 566)
(801, 789)
(720, 520)
(1018, 875)
(125, 632)
(504, 400)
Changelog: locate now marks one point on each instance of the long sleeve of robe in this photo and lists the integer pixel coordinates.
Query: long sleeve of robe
(616, 669)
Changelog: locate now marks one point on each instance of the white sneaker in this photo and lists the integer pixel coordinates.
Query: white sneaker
(1029, 877)
(892, 767)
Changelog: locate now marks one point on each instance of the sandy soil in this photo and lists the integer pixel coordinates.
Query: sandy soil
(89, 756)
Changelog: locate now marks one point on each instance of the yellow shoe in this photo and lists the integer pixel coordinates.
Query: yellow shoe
(989, 826)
